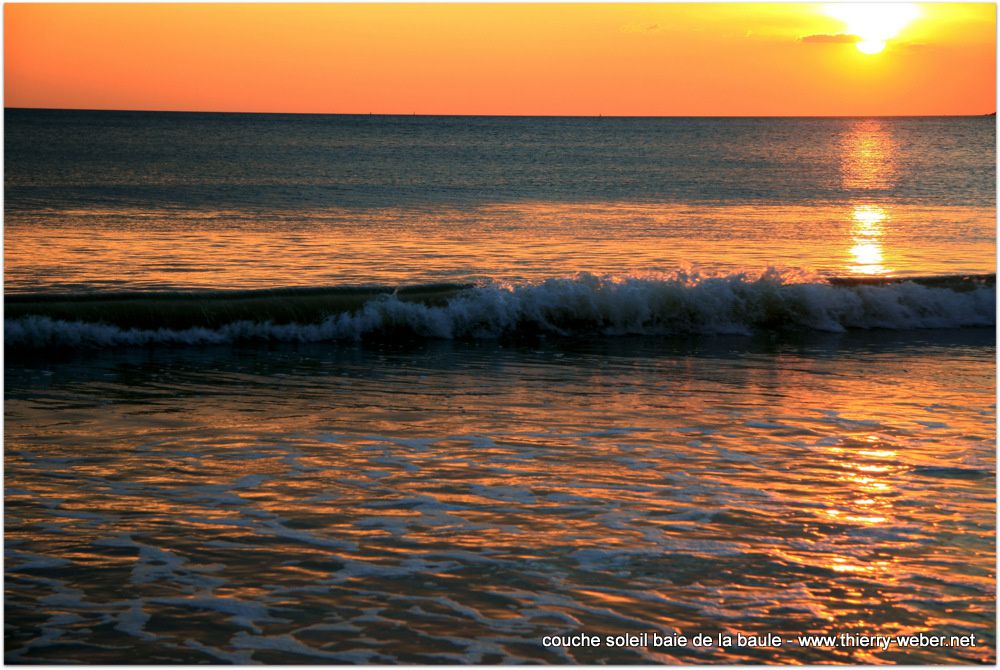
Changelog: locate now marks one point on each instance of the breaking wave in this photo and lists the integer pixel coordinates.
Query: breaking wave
(583, 305)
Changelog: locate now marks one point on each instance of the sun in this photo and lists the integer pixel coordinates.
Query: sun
(870, 46)
(873, 23)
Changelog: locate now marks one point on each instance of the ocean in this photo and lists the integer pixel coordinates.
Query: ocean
(407, 389)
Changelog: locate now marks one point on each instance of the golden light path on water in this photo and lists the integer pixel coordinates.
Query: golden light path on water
(456, 502)
(867, 233)
(868, 164)
(515, 241)
(525, 240)
(507, 242)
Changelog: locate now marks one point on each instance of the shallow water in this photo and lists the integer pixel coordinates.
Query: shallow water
(455, 502)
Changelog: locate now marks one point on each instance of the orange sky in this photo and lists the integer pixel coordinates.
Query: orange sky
(566, 59)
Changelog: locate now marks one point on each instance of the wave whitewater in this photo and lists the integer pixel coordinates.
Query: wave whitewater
(586, 304)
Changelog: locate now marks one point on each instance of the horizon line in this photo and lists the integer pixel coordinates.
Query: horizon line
(513, 116)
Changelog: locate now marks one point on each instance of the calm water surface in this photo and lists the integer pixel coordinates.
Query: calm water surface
(99, 200)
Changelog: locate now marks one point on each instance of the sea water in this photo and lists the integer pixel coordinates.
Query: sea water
(320, 389)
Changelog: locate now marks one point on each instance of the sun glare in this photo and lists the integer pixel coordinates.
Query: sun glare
(873, 23)
(870, 46)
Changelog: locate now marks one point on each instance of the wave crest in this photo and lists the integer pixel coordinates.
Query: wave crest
(586, 304)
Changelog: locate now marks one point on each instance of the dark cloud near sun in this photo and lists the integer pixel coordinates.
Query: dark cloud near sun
(831, 39)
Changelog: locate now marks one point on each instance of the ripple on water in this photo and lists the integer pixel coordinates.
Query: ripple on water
(461, 515)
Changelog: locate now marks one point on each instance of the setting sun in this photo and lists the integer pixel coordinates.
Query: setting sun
(873, 23)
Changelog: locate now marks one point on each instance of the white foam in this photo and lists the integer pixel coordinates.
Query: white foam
(735, 304)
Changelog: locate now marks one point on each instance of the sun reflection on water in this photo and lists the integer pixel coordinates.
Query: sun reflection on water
(868, 156)
(869, 466)
(867, 231)
(868, 163)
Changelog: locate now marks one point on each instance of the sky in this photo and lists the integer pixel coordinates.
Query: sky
(508, 59)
